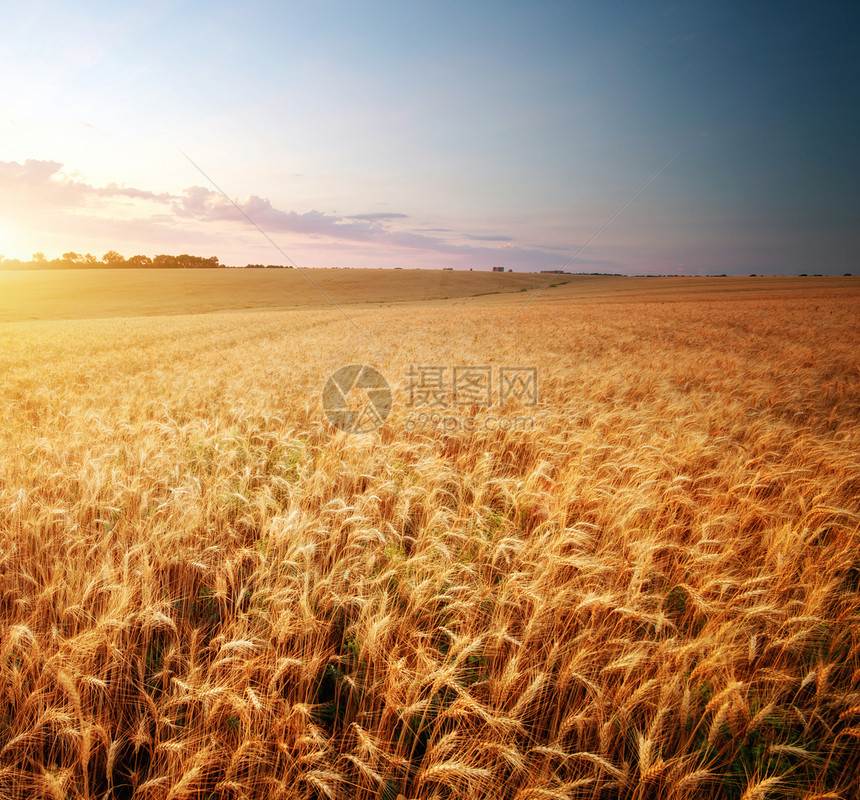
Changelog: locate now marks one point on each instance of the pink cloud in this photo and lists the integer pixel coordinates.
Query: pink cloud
(36, 185)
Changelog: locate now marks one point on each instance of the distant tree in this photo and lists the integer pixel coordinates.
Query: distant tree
(183, 260)
(113, 259)
(139, 262)
(71, 259)
(196, 262)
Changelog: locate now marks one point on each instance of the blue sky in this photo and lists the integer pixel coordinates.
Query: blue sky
(466, 134)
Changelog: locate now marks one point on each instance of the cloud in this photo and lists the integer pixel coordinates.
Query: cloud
(115, 190)
(31, 172)
(475, 237)
(379, 216)
(206, 205)
(37, 181)
(40, 185)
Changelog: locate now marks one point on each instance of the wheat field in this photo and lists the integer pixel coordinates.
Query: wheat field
(651, 591)
(105, 293)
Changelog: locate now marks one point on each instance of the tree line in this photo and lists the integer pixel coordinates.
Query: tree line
(113, 260)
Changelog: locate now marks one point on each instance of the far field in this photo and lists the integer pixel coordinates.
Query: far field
(77, 294)
(646, 588)
(106, 293)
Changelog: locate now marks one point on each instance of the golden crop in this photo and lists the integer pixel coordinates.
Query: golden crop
(653, 592)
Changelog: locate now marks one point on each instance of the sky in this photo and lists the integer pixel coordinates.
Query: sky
(621, 137)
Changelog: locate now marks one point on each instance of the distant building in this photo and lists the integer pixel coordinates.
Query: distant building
(498, 269)
(448, 269)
